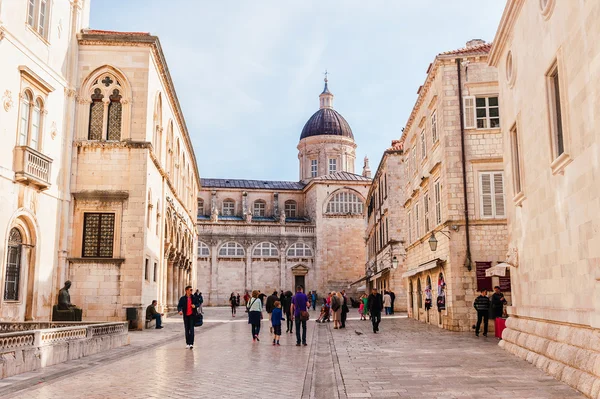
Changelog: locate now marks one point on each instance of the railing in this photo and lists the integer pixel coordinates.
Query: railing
(32, 167)
(9, 327)
(250, 229)
(49, 337)
(17, 340)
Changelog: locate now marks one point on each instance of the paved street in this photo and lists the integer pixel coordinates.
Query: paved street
(406, 360)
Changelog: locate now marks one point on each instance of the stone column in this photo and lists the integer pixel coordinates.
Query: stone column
(244, 204)
(276, 205)
(214, 272)
(248, 265)
(282, 265)
(170, 296)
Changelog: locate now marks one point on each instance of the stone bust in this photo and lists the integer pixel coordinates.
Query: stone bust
(64, 299)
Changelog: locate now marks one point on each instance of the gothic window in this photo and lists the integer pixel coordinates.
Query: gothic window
(115, 111)
(24, 127)
(231, 249)
(31, 114)
(170, 149)
(299, 250)
(345, 202)
(106, 109)
(259, 208)
(13, 265)
(291, 209)
(203, 250)
(200, 207)
(38, 16)
(98, 235)
(264, 250)
(228, 207)
(96, 115)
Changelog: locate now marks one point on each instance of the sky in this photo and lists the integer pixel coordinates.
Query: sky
(248, 73)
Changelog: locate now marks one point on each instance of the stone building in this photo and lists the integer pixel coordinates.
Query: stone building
(454, 188)
(549, 98)
(99, 181)
(266, 235)
(386, 231)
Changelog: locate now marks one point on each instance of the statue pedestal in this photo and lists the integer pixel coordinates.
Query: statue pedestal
(73, 314)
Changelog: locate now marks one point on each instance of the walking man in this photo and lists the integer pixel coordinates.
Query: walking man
(345, 309)
(393, 296)
(299, 312)
(375, 304)
(188, 308)
(270, 306)
(482, 305)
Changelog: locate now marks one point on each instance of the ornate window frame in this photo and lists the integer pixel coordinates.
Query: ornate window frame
(307, 251)
(265, 249)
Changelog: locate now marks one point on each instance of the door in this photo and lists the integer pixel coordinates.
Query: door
(298, 280)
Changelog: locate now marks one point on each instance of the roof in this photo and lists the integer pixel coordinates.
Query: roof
(347, 176)
(483, 48)
(251, 184)
(397, 145)
(326, 121)
(114, 32)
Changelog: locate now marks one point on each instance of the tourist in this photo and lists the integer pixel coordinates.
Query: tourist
(151, 313)
(364, 301)
(313, 297)
(188, 308)
(233, 304)
(336, 309)
(276, 318)
(345, 309)
(393, 296)
(387, 302)
(271, 305)
(300, 314)
(237, 299)
(482, 305)
(200, 302)
(261, 296)
(246, 298)
(255, 314)
(375, 304)
(498, 301)
(286, 304)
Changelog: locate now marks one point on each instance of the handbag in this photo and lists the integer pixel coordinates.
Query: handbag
(304, 316)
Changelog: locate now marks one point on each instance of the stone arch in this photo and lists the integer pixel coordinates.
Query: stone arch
(269, 250)
(340, 190)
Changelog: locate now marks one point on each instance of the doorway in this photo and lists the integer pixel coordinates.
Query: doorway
(299, 280)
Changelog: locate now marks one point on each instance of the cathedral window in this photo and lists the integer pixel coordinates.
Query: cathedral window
(203, 250)
(314, 164)
(231, 250)
(98, 235)
(106, 109)
(13, 265)
(291, 209)
(332, 165)
(259, 208)
(299, 250)
(228, 208)
(264, 250)
(345, 202)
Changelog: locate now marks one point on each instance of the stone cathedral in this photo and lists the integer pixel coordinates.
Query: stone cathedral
(266, 235)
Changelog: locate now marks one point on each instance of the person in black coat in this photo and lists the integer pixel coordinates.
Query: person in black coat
(482, 305)
(188, 308)
(498, 302)
(286, 305)
(375, 305)
(345, 309)
(393, 296)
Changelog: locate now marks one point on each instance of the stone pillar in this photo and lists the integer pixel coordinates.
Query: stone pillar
(282, 265)
(170, 293)
(276, 205)
(248, 265)
(214, 272)
(176, 290)
(244, 204)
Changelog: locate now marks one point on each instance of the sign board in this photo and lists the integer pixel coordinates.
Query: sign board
(483, 282)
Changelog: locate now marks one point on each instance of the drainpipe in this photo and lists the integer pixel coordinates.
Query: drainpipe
(464, 165)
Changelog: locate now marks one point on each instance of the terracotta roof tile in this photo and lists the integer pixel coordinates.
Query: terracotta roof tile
(473, 50)
(397, 145)
(113, 32)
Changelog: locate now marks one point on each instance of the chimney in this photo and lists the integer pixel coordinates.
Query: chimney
(475, 42)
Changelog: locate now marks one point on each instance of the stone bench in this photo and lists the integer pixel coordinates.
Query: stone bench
(150, 323)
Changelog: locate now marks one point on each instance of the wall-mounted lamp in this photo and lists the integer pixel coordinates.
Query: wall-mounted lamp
(433, 242)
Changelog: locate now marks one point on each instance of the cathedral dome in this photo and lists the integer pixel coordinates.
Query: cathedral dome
(326, 121)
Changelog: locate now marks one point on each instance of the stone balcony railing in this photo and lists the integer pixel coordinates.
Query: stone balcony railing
(249, 229)
(32, 167)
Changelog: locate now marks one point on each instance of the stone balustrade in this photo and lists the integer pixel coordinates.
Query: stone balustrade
(251, 229)
(32, 167)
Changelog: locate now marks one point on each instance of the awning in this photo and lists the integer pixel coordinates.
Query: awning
(362, 288)
(358, 281)
(378, 274)
(432, 264)
(498, 270)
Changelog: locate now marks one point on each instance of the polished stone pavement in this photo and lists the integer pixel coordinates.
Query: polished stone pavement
(407, 359)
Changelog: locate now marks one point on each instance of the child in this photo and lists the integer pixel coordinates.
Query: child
(276, 318)
(361, 310)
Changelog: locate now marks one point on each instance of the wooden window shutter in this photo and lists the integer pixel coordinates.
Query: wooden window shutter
(469, 111)
(499, 195)
(487, 210)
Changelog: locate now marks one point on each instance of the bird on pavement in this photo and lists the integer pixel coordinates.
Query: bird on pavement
(357, 332)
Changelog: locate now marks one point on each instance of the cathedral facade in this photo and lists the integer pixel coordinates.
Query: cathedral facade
(275, 235)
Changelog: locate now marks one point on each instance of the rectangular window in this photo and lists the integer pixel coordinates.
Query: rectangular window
(491, 188)
(438, 202)
(332, 165)
(555, 112)
(417, 222)
(487, 112)
(37, 16)
(516, 160)
(434, 136)
(200, 207)
(426, 211)
(385, 184)
(414, 160)
(98, 235)
(314, 167)
(410, 235)
(146, 271)
(423, 145)
(155, 272)
(228, 208)
(259, 208)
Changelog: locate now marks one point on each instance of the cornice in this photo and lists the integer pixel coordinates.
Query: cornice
(509, 17)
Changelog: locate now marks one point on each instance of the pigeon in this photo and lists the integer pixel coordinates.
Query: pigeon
(357, 332)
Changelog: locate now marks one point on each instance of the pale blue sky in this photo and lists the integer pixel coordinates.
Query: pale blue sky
(248, 73)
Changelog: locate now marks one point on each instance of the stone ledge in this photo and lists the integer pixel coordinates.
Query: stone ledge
(116, 261)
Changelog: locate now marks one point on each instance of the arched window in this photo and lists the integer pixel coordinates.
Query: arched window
(149, 205)
(177, 165)
(115, 116)
(36, 124)
(30, 119)
(291, 209)
(96, 115)
(157, 217)
(13, 265)
(203, 250)
(265, 250)
(231, 249)
(200, 207)
(170, 149)
(419, 294)
(106, 109)
(299, 250)
(260, 207)
(344, 203)
(25, 111)
(228, 207)
(157, 139)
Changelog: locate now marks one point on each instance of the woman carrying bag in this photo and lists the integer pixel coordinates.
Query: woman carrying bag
(254, 307)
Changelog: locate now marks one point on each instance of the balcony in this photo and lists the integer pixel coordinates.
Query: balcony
(32, 167)
(249, 229)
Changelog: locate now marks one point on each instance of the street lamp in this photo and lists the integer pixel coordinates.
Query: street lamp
(394, 263)
(433, 242)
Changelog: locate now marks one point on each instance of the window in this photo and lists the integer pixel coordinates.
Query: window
(200, 207)
(299, 250)
(413, 159)
(481, 112)
(203, 250)
(410, 232)
(314, 164)
(417, 224)
(228, 208)
(491, 189)
(13, 265)
(154, 277)
(37, 16)
(290, 209)
(157, 225)
(332, 165)
(434, 136)
(516, 159)
(30, 121)
(265, 250)
(423, 145)
(345, 203)
(259, 208)
(556, 118)
(146, 271)
(438, 202)
(98, 235)
(426, 211)
(107, 127)
(232, 249)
